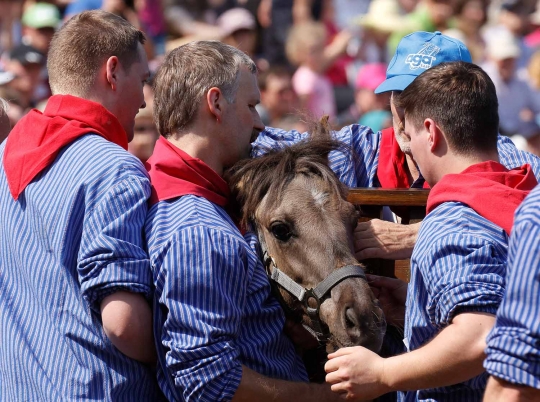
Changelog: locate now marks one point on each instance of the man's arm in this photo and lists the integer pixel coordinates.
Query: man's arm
(256, 387)
(453, 356)
(498, 390)
(113, 267)
(355, 165)
(127, 321)
(381, 239)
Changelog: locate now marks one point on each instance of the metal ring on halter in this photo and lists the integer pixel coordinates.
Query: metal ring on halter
(319, 293)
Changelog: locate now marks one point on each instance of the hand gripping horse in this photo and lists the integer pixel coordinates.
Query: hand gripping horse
(298, 208)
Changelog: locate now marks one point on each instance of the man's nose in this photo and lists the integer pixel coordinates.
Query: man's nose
(257, 123)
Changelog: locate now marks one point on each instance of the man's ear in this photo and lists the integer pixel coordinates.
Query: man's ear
(215, 100)
(435, 135)
(111, 72)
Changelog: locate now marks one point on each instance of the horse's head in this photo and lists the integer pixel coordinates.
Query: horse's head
(302, 217)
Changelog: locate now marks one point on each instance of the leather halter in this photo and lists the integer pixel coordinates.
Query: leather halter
(308, 297)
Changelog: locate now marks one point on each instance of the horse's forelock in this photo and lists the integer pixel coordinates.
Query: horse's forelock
(253, 179)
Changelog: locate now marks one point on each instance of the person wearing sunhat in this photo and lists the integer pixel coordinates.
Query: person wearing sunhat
(24, 63)
(239, 29)
(517, 106)
(382, 19)
(39, 22)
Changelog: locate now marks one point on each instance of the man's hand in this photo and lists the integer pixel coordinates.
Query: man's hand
(392, 294)
(381, 239)
(357, 373)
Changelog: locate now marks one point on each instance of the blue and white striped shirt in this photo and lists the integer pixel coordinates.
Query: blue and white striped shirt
(513, 346)
(458, 265)
(360, 168)
(73, 237)
(213, 308)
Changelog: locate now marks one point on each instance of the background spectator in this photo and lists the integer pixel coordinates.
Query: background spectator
(278, 98)
(517, 104)
(239, 29)
(350, 35)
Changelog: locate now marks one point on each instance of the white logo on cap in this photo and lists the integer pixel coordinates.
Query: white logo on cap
(424, 58)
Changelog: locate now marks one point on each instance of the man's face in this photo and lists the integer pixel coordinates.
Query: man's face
(419, 148)
(241, 121)
(279, 97)
(440, 11)
(145, 138)
(40, 38)
(130, 91)
(26, 77)
(506, 68)
(398, 121)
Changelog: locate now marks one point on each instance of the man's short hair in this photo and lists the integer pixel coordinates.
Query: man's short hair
(79, 49)
(461, 98)
(187, 74)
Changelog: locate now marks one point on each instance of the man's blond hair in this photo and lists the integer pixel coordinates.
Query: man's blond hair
(185, 76)
(79, 49)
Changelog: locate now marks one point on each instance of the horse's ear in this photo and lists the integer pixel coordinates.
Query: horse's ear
(321, 129)
(321, 138)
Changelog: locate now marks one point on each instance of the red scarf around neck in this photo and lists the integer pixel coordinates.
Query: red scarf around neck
(489, 188)
(392, 167)
(174, 173)
(37, 138)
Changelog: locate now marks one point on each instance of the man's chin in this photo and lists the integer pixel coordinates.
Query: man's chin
(254, 136)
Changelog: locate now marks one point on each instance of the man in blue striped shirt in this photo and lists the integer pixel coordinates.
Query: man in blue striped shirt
(513, 346)
(458, 264)
(219, 331)
(379, 160)
(75, 322)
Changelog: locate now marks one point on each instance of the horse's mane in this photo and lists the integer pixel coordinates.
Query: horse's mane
(251, 179)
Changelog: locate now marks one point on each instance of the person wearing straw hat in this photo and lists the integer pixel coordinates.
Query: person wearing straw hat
(382, 19)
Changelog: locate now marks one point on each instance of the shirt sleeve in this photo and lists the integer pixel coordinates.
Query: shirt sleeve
(463, 274)
(513, 346)
(274, 139)
(355, 165)
(112, 256)
(511, 157)
(204, 274)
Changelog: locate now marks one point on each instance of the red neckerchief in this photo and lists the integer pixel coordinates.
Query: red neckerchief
(174, 173)
(392, 168)
(489, 188)
(37, 138)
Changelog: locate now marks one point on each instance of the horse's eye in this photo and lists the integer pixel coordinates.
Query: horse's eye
(281, 231)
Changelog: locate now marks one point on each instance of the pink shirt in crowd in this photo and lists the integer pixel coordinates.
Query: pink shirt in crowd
(319, 90)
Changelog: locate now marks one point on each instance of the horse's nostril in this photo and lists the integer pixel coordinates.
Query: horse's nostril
(351, 320)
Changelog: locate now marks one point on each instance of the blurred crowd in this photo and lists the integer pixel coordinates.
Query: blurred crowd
(314, 56)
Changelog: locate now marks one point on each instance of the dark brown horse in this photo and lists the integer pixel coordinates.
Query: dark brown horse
(299, 209)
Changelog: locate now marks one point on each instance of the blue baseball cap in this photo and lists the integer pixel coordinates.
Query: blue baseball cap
(416, 53)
